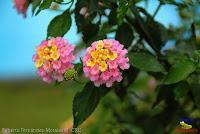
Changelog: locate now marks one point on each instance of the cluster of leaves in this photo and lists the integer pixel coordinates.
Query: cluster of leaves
(176, 71)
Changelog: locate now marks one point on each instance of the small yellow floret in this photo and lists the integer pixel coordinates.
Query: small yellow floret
(40, 53)
(112, 56)
(47, 57)
(53, 48)
(46, 50)
(90, 63)
(94, 54)
(103, 66)
(38, 63)
(100, 45)
(106, 51)
(55, 56)
(104, 57)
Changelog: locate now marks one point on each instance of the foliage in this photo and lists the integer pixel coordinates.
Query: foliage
(176, 71)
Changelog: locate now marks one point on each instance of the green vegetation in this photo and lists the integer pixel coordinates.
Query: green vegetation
(34, 104)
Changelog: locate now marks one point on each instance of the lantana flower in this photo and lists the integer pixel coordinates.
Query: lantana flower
(104, 61)
(53, 58)
(22, 6)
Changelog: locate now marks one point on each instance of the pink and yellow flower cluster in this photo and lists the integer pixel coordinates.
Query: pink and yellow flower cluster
(104, 61)
(53, 58)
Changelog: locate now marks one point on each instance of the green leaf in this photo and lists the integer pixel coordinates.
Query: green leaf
(86, 101)
(112, 18)
(195, 88)
(44, 5)
(93, 6)
(124, 34)
(90, 32)
(105, 28)
(57, 83)
(164, 93)
(122, 9)
(79, 19)
(180, 71)
(79, 68)
(35, 4)
(130, 75)
(145, 62)
(60, 25)
(181, 90)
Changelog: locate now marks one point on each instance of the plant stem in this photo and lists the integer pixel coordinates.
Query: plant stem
(137, 96)
(133, 44)
(62, 2)
(194, 36)
(78, 81)
(72, 2)
(157, 9)
(142, 26)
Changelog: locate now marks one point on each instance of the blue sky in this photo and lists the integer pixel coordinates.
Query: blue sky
(20, 36)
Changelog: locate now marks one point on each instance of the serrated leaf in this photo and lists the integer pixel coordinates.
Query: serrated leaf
(86, 101)
(145, 62)
(60, 25)
(124, 34)
(180, 71)
(44, 5)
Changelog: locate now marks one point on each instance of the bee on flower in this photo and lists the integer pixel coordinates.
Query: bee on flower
(104, 61)
(53, 58)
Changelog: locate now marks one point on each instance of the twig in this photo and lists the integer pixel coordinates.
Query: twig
(137, 96)
(62, 2)
(141, 25)
(134, 43)
(78, 81)
(194, 36)
(157, 9)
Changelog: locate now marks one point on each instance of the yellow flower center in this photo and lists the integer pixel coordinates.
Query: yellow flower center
(100, 56)
(47, 53)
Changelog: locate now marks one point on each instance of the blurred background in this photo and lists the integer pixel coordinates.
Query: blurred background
(26, 101)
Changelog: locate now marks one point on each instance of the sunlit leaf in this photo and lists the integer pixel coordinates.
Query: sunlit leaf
(145, 62)
(60, 25)
(180, 71)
